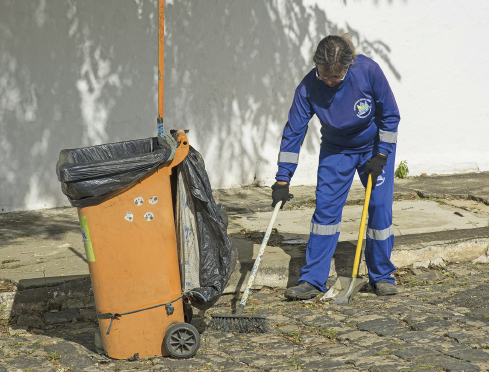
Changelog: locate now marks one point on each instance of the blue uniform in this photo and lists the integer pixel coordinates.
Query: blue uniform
(358, 119)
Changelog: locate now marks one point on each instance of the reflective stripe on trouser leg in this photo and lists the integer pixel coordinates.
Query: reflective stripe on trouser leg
(319, 252)
(380, 233)
(378, 259)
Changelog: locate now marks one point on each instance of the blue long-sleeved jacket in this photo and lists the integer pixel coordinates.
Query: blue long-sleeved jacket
(358, 116)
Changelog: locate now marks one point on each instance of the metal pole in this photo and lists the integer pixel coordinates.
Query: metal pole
(161, 66)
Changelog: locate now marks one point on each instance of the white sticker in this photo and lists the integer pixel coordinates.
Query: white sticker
(84, 235)
(148, 216)
(138, 201)
(153, 200)
(129, 217)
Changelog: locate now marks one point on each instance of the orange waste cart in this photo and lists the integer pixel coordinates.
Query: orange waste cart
(131, 248)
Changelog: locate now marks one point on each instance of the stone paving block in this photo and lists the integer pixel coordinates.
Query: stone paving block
(322, 320)
(61, 316)
(209, 358)
(378, 342)
(414, 317)
(30, 321)
(411, 352)
(400, 310)
(471, 355)
(339, 317)
(420, 337)
(323, 365)
(379, 363)
(356, 355)
(228, 366)
(28, 349)
(282, 350)
(64, 348)
(73, 303)
(393, 367)
(26, 362)
(430, 324)
(13, 341)
(383, 326)
(452, 346)
(483, 341)
(447, 314)
(363, 318)
(88, 314)
(353, 312)
(180, 364)
(78, 361)
(258, 361)
(334, 350)
(449, 364)
(351, 335)
(473, 322)
(463, 337)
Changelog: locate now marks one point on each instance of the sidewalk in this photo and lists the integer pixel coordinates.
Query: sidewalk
(440, 320)
(437, 219)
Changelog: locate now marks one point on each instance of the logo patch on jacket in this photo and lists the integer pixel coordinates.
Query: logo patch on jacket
(362, 107)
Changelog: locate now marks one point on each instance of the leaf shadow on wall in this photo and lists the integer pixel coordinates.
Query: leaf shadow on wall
(72, 74)
(231, 69)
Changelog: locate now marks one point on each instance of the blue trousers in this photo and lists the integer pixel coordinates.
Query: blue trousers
(335, 176)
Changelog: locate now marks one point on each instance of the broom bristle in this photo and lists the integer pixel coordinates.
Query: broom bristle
(241, 324)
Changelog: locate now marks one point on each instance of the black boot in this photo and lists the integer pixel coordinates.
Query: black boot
(385, 288)
(304, 291)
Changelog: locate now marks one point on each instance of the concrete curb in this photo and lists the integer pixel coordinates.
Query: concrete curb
(282, 268)
(50, 304)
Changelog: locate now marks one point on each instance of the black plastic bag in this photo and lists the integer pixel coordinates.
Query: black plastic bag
(218, 255)
(91, 175)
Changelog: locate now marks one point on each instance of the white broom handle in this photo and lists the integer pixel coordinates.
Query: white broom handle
(260, 254)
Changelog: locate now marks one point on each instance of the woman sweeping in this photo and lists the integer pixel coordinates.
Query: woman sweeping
(359, 118)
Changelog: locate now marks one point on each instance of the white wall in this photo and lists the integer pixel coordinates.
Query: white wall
(83, 72)
(72, 74)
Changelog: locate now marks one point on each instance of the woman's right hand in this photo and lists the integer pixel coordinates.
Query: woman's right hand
(280, 192)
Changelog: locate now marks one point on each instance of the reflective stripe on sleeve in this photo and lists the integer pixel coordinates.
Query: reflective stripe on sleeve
(325, 229)
(380, 234)
(288, 157)
(389, 137)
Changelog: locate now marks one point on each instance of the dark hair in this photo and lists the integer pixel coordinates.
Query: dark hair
(336, 53)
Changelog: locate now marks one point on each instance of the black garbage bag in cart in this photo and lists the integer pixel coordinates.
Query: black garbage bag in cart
(91, 175)
(207, 255)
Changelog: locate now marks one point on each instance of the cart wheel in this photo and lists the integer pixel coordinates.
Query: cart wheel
(181, 340)
(188, 313)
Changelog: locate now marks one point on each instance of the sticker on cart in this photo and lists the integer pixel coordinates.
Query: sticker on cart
(148, 216)
(86, 239)
(129, 216)
(153, 200)
(139, 201)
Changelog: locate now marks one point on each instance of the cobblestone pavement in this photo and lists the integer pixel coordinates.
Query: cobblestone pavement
(438, 322)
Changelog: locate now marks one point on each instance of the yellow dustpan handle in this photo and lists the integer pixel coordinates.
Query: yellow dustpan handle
(362, 227)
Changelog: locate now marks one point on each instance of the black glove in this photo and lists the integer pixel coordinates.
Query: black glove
(374, 167)
(280, 193)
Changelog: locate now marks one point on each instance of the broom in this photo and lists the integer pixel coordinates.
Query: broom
(246, 323)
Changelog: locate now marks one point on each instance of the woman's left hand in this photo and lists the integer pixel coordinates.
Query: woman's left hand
(374, 167)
